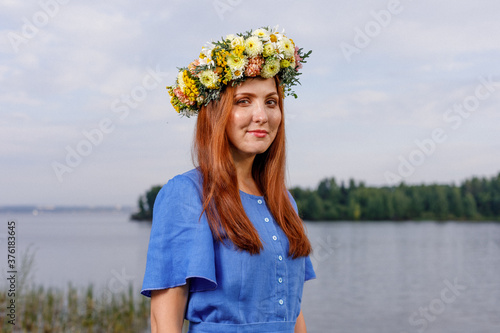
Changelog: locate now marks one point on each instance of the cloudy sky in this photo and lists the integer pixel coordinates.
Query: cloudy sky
(394, 91)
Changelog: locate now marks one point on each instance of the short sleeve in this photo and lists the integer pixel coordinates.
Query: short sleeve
(310, 274)
(181, 245)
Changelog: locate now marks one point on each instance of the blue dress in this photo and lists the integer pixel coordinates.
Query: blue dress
(229, 290)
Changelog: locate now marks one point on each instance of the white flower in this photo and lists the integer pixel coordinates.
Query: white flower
(207, 52)
(263, 34)
(237, 74)
(237, 41)
(206, 61)
(253, 46)
(207, 55)
(180, 80)
(209, 79)
(275, 29)
(230, 37)
(208, 47)
(286, 47)
(189, 113)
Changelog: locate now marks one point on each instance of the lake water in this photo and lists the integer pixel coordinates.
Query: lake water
(372, 276)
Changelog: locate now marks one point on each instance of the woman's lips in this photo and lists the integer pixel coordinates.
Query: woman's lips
(258, 133)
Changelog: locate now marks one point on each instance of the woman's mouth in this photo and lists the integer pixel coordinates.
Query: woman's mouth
(258, 133)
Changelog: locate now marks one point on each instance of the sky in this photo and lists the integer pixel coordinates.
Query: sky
(393, 91)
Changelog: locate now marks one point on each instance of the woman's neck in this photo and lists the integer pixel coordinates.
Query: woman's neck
(243, 166)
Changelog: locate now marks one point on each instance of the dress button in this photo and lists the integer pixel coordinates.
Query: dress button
(266, 219)
(280, 301)
(280, 258)
(280, 280)
(259, 202)
(275, 238)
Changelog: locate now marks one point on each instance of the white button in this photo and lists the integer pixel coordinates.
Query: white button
(259, 201)
(280, 258)
(280, 301)
(266, 219)
(275, 238)
(280, 280)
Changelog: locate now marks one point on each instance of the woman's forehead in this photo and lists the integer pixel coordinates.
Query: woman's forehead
(257, 85)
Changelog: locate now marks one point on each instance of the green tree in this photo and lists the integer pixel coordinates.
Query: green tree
(353, 209)
(439, 202)
(470, 207)
(313, 209)
(456, 202)
(401, 203)
(146, 204)
(375, 208)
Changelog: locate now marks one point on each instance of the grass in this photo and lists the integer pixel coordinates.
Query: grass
(40, 309)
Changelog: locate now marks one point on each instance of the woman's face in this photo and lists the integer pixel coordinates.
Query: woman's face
(255, 117)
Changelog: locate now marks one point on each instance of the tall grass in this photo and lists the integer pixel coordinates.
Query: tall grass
(53, 310)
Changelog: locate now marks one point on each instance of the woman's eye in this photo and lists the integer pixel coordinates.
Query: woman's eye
(242, 101)
(272, 102)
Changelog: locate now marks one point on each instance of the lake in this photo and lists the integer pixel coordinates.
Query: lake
(371, 276)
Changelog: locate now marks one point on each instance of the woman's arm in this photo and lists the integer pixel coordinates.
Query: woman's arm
(167, 309)
(300, 324)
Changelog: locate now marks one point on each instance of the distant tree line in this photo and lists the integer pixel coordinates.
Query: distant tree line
(146, 203)
(474, 199)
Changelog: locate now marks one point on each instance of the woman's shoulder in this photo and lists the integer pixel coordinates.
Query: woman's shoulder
(182, 193)
(185, 185)
(191, 177)
(185, 181)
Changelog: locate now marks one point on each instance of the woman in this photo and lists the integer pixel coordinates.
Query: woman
(228, 251)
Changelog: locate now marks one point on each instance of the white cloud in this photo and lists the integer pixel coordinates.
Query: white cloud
(351, 119)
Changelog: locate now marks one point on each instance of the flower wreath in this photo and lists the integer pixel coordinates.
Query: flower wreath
(265, 52)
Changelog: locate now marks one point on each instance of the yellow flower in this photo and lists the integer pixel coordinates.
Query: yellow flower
(268, 50)
(227, 77)
(238, 50)
(284, 63)
(190, 90)
(270, 68)
(220, 57)
(236, 62)
(273, 38)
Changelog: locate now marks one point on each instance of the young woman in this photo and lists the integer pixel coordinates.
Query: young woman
(228, 251)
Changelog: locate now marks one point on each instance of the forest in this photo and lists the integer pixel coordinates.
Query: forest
(472, 200)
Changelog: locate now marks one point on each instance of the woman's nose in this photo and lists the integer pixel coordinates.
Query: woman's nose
(259, 113)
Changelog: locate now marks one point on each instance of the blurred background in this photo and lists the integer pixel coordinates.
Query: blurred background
(394, 91)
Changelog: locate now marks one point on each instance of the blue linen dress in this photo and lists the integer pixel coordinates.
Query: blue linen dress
(230, 290)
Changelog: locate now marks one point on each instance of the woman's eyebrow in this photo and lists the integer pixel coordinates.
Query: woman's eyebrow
(252, 94)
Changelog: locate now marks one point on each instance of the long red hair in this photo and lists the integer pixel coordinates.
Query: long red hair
(221, 198)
